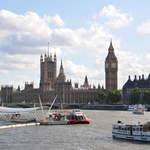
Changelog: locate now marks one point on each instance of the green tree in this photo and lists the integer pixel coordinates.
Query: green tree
(135, 96)
(102, 96)
(114, 97)
(146, 97)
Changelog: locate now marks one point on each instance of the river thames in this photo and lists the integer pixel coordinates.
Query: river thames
(94, 136)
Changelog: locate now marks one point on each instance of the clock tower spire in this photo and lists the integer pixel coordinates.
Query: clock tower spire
(111, 69)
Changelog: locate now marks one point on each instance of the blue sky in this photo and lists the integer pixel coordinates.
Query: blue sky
(79, 32)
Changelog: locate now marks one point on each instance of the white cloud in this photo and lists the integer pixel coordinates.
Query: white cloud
(77, 73)
(30, 31)
(117, 19)
(19, 63)
(144, 28)
(18, 68)
(54, 19)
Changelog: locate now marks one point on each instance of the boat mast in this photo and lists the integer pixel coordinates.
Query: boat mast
(52, 103)
(41, 105)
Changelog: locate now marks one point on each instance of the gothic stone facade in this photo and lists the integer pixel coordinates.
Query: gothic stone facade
(141, 83)
(52, 85)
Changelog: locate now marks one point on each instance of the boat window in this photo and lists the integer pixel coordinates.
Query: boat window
(69, 117)
(145, 129)
(82, 117)
(115, 127)
(76, 117)
(79, 117)
(73, 117)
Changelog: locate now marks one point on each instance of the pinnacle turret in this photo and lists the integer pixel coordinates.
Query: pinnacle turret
(61, 67)
(86, 80)
(41, 59)
(111, 48)
(55, 58)
(61, 76)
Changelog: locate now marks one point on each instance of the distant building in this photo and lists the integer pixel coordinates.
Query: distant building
(48, 66)
(111, 69)
(6, 93)
(141, 83)
(52, 85)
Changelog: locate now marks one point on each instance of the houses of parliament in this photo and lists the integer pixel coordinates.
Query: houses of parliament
(52, 84)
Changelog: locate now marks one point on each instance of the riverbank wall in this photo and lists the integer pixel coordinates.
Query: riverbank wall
(75, 106)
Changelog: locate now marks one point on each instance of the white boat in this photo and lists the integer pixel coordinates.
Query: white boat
(130, 107)
(50, 118)
(53, 119)
(138, 109)
(18, 115)
(134, 132)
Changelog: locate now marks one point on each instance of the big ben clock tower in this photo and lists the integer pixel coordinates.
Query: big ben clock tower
(111, 69)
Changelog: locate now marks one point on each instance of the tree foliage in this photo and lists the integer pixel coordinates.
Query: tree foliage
(102, 96)
(135, 96)
(114, 97)
(146, 97)
(111, 97)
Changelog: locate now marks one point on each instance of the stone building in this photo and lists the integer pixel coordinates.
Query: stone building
(140, 82)
(7, 93)
(52, 84)
(111, 69)
(48, 66)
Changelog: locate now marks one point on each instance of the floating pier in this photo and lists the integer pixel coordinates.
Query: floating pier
(19, 125)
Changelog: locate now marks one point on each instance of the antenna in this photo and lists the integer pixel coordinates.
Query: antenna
(48, 48)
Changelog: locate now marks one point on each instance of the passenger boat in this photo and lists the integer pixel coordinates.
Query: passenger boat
(77, 117)
(134, 132)
(138, 109)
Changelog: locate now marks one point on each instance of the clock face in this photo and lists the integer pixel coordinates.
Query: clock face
(113, 65)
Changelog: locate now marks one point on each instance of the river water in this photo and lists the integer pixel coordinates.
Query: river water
(94, 136)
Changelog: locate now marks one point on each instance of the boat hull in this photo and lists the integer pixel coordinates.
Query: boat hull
(138, 113)
(23, 121)
(143, 138)
(54, 123)
(79, 121)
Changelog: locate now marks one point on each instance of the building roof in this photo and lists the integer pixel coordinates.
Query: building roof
(137, 83)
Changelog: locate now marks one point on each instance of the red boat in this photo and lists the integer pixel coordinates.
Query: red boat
(77, 117)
